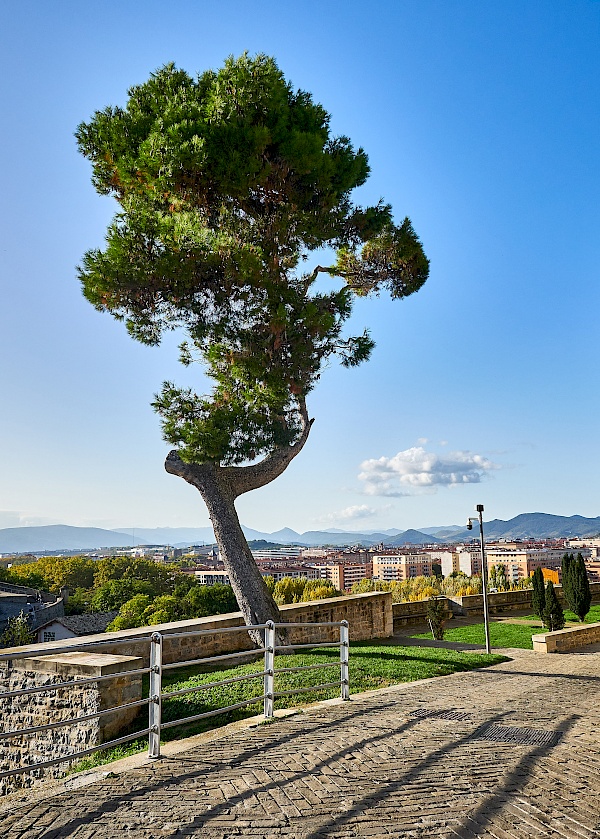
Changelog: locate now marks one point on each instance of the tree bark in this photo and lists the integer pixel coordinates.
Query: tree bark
(219, 487)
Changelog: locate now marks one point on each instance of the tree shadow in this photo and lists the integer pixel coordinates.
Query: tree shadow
(207, 766)
(479, 819)
(316, 728)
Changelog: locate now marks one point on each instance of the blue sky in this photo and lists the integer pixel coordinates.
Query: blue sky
(481, 122)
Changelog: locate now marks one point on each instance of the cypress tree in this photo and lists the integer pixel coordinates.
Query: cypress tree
(567, 565)
(580, 594)
(554, 617)
(538, 596)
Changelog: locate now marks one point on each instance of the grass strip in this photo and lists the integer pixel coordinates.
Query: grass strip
(372, 666)
(593, 616)
(501, 634)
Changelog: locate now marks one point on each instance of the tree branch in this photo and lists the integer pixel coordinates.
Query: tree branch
(243, 479)
(236, 480)
(320, 269)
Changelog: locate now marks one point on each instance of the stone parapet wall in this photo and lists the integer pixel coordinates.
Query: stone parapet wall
(369, 616)
(506, 601)
(414, 613)
(565, 640)
(49, 612)
(44, 707)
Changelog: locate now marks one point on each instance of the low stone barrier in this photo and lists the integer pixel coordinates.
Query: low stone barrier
(369, 616)
(507, 601)
(565, 640)
(414, 613)
(41, 708)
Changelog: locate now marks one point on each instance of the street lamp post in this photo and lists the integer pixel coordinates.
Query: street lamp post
(484, 574)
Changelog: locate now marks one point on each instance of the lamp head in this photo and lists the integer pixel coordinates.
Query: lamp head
(469, 525)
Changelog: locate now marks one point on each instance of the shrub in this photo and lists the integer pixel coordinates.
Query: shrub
(554, 617)
(436, 618)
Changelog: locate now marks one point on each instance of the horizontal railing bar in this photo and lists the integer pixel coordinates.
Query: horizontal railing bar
(279, 670)
(306, 690)
(76, 683)
(243, 628)
(215, 684)
(212, 713)
(69, 758)
(308, 646)
(308, 624)
(72, 721)
(74, 648)
(209, 659)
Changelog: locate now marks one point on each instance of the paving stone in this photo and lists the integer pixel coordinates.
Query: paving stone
(371, 767)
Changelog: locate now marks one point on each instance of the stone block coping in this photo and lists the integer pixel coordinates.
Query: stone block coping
(565, 640)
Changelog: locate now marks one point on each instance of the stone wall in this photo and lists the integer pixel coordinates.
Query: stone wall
(565, 640)
(38, 610)
(49, 612)
(414, 613)
(507, 601)
(369, 616)
(48, 706)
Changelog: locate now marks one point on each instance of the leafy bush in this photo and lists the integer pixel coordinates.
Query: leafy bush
(17, 633)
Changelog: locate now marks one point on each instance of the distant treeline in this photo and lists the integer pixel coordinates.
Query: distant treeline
(144, 592)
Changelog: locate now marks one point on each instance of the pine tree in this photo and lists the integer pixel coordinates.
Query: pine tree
(580, 594)
(227, 182)
(554, 617)
(538, 596)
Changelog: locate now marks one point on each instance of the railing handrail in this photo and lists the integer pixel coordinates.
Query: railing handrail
(42, 649)
(156, 694)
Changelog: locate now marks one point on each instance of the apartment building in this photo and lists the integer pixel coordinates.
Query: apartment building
(208, 577)
(522, 563)
(343, 575)
(447, 559)
(401, 566)
(279, 570)
(283, 552)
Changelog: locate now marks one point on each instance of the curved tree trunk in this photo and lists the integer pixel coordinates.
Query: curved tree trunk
(219, 487)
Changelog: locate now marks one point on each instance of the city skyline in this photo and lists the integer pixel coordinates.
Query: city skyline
(480, 123)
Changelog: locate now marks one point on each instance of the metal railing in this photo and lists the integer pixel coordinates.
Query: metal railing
(156, 694)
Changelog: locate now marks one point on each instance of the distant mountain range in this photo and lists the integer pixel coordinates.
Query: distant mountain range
(62, 537)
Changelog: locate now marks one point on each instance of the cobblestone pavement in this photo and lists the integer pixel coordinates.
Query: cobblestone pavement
(427, 759)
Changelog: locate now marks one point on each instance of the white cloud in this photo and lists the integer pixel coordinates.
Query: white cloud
(14, 518)
(422, 440)
(357, 511)
(418, 469)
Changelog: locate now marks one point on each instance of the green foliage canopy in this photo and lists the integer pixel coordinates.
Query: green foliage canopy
(17, 633)
(226, 183)
(553, 617)
(576, 586)
(538, 595)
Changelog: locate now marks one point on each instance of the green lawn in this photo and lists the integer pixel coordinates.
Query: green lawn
(501, 634)
(593, 616)
(372, 666)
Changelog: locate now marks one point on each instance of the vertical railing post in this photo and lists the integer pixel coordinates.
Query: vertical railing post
(155, 695)
(269, 686)
(344, 654)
